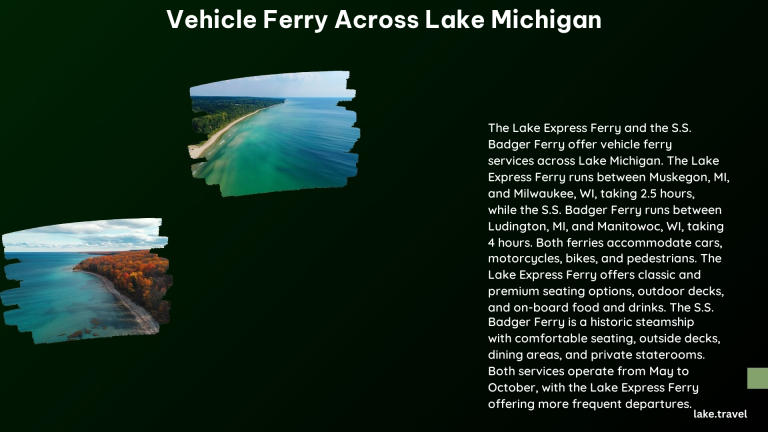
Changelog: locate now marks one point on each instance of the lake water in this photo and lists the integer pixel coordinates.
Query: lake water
(303, 143)
(55, 302)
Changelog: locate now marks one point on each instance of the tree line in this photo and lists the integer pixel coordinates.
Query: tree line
(211, 113)
(139, 275)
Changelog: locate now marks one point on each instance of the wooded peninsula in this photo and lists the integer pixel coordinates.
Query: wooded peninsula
(211, 113)
(139, 275)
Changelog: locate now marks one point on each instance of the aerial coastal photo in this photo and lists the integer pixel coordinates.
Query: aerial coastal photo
(273, 133)
(87, 280)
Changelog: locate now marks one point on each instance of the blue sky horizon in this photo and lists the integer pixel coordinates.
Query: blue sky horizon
(301, 84)
(115, 235)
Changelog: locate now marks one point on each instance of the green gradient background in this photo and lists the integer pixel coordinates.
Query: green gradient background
(359, 308)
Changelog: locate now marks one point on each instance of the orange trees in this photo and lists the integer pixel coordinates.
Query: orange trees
(139, 275)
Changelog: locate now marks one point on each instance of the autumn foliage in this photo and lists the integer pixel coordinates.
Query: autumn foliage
(139, 275)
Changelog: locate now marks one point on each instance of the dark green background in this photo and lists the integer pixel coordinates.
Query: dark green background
(363, 307)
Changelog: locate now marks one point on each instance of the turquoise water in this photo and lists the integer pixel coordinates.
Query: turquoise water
(55, 302)
(303, 143)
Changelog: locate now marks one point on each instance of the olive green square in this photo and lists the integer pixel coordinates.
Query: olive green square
(757, 378)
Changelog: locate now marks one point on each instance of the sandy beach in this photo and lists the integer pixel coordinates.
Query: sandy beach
(196, 151)
(145, 320)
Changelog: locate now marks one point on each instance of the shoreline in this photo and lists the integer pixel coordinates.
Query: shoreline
(196, 151)
(145, 320)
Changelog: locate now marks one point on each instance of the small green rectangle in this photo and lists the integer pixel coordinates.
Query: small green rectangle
(757, 378)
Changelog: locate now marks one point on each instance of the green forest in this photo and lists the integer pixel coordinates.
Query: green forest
(211, 113)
